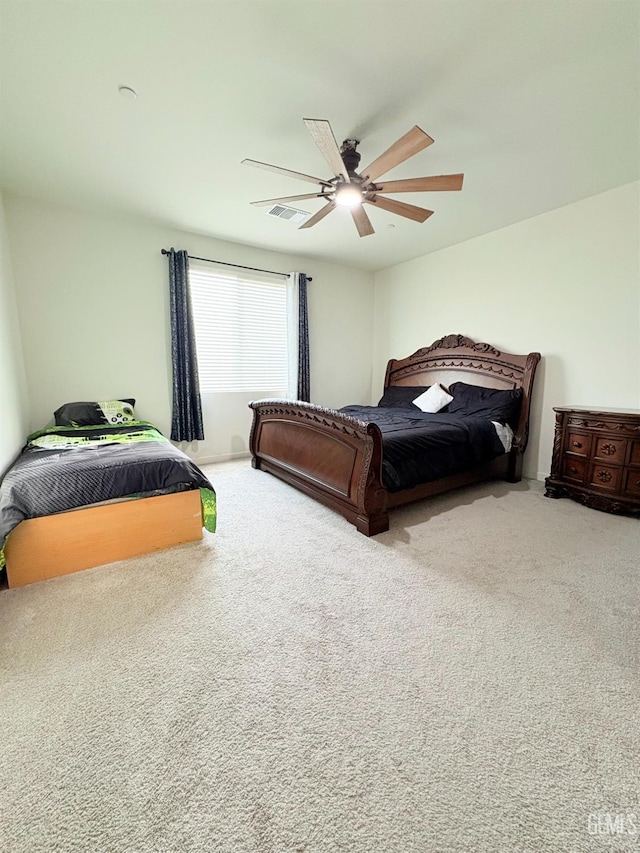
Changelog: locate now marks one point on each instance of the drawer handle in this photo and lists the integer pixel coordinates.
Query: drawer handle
(604, 476)
(577, 444)
(573, 469)
(608, 449)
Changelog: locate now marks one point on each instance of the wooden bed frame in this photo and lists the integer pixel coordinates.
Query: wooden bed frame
(67, 542)
(337, 459)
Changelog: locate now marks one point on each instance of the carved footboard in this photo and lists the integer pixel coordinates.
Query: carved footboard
(332, 457)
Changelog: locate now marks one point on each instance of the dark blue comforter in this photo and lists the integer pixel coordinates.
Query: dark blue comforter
(420, 447)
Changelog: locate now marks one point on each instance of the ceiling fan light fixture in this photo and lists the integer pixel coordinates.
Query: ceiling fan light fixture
(348, 195)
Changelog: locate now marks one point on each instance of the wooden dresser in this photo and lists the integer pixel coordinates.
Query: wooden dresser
(596, 459)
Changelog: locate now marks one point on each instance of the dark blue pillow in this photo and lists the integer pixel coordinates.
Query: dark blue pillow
(492, 403)
(401, 396)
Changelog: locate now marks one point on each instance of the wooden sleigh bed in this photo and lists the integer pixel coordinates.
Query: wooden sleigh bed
(337, 459)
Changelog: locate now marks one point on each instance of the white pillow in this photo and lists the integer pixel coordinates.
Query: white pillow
(433, 399)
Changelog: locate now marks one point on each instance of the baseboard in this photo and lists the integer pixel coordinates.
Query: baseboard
(536, 476)
(224, 457)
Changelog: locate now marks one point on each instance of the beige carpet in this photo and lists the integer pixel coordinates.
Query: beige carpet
(467, 681)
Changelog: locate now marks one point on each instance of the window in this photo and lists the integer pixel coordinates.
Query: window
(241, 329)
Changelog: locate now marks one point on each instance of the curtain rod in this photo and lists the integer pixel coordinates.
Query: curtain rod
(238, 266)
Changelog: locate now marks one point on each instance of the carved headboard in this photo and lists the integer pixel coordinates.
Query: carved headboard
(456, 358)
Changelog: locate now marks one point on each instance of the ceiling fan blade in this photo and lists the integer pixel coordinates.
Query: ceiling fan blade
(363, 223)
(408, 145)
(282, 171)
(319, 215)
(286, 199)
(409, 211)
(323, 136)
(422, 185)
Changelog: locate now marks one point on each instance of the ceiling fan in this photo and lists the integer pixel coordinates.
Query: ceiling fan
(352, 189)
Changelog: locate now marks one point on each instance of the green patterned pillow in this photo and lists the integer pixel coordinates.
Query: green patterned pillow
(117, 411)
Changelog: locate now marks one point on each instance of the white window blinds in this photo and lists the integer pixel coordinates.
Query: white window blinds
(241, 331)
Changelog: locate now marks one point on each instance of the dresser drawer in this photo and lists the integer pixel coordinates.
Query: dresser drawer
(578, 443)
(605, 477)
(596, 459)
(609, 450)
(574, 469)
(631, 481)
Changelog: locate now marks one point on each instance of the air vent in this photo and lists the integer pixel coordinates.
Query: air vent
(290, 213)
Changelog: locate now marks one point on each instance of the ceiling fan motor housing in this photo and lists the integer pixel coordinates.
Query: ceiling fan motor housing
(350, 156)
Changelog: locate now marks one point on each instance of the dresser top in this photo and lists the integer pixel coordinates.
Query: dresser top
(589, 410)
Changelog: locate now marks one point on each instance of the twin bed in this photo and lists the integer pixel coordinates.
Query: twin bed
(362, 461)
(85, 493)
(103, 486)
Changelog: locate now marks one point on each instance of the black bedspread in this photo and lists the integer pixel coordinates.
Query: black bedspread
(420, 447)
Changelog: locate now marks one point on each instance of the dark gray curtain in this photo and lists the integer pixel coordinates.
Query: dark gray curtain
(304, 383)
(186, 421)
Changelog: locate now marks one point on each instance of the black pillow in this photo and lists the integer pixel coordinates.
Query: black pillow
(401, 396)
(491, 403)
(92, 414)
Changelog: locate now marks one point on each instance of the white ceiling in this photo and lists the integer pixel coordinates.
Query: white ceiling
(536, 101)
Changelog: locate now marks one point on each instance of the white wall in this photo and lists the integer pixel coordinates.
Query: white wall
(93, 303)
(13, 386)
(566, 283)
(94, 311)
